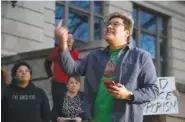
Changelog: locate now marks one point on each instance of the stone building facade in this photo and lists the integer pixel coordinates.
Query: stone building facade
(27, 34)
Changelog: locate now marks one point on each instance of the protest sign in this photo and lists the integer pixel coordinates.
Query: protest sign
(166, 102)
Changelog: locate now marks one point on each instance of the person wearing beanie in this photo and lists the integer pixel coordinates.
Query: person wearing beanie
(22, 101)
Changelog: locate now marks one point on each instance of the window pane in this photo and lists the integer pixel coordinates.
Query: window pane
(134, 39)
(134, 14)
(98, 6)
(162, 56)
(162, 49)
(162, 24)
(59, 13)
(148, 21)
(155, 63)
(97, 28)
(148, 44)
(78, 26)
(81, 4)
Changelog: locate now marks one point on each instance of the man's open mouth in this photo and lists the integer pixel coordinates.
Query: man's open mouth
(109, 32)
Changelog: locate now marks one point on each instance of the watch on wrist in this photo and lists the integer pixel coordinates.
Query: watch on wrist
(131, 97)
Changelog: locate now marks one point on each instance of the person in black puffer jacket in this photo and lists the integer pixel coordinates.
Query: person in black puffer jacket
(22, 101)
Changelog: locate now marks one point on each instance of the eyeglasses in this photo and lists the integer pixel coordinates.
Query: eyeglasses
(114, 24)
(22, 71)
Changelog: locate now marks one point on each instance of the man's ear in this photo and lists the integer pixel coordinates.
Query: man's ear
(127, 33)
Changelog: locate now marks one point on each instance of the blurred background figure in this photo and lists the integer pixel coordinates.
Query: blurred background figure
(22, 101)
(71, 103)
(5, 80)
(52, 67)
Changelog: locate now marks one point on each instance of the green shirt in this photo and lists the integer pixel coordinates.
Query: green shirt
(103, 102)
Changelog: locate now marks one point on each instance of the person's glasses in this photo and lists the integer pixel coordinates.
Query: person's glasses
(114, 24)
(22, 71)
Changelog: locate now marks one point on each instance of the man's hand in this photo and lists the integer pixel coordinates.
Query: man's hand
(61, 33)
(119, 91)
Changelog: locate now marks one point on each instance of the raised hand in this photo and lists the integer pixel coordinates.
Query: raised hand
(61, 33)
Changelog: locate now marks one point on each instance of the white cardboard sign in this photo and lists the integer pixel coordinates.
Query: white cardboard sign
(166, 102)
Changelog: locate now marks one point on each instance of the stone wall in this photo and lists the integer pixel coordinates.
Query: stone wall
(26, 27)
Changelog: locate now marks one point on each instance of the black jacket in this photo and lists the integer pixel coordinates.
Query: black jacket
(28, 104)
(3, 84)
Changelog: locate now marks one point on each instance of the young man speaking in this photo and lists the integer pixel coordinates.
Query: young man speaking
(118, 79)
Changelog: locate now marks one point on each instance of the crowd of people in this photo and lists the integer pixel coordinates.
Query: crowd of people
(118, 80)
(22, 101)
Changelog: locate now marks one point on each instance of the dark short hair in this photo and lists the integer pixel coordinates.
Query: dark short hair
(77, 78)
(17, 65)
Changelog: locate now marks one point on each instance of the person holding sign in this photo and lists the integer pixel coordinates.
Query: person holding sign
(118, 79)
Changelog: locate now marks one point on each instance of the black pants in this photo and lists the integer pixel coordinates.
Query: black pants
(57, 91)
